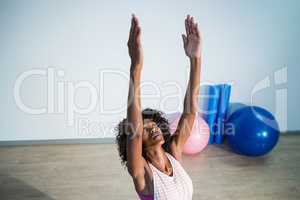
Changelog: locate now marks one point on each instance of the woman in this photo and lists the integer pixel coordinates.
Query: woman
(151, 155)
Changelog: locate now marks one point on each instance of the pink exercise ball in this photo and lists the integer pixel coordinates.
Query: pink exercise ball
(199, 136)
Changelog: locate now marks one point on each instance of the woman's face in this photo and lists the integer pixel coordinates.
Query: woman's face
(152, 134)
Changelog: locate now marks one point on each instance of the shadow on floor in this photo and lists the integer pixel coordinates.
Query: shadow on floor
(13, 188)
(241, 160)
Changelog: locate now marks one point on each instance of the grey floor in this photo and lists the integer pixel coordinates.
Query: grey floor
(93, 171)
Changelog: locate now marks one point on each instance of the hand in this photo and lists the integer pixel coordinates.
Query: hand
(134, 44)
(192, 39)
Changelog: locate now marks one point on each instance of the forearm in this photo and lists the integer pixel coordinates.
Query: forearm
(134, 115)
(192, 92)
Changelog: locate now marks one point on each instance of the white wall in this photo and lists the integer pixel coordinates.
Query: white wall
(244, 42)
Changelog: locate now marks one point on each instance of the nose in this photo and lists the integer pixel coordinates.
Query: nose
(154, 129)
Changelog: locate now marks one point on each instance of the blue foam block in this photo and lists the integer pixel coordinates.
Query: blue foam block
(209, 99)
(224, 97)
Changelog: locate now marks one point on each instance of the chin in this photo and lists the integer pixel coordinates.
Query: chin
(160, 142)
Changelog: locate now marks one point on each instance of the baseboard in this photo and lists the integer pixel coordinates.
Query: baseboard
(84, 140)
(58, 141)
(291, 132)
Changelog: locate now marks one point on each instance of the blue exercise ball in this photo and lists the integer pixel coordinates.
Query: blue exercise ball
(252, 131)
(233, 107)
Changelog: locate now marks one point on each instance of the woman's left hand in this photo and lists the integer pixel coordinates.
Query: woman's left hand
(192, 39)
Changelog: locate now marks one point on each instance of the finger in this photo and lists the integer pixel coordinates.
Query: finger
(136, 20)
(138, 34)
(189, 24)
(197, 30)
(192, 25)
(186, 26)
(131, 27)
(184, 38)
(136, 27)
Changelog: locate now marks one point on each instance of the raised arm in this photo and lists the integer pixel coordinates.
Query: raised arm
(192, 47)
(134, 115)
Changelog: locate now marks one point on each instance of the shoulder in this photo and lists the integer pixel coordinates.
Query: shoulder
(175, 150)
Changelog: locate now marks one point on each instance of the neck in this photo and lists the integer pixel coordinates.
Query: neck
(156, 156)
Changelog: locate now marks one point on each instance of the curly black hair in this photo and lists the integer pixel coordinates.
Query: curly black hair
(122, 131)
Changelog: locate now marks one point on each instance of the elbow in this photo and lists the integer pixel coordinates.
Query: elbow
(190, 110)
(192, 114)
(189, 115)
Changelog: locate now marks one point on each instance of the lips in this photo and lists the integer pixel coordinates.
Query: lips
(156, 135)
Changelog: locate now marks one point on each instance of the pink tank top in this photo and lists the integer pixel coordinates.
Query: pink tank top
(176, 187)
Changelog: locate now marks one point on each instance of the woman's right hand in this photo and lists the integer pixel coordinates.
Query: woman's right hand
(134, 45)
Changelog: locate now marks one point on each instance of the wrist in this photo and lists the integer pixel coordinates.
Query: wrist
(195, 61)
(135, 70)
(136, 63)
